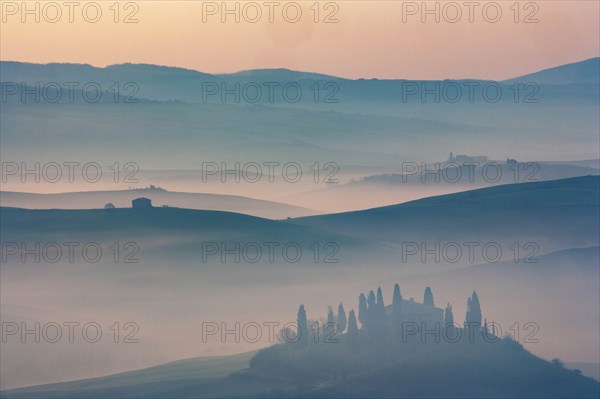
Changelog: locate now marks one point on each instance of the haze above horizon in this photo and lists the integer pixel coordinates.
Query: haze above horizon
(346, 39)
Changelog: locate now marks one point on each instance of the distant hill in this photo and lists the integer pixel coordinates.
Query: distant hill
(176, 234)
(167, 222)
(519, 173)
(162, 83)
(171, 282)
(278, 74)
(376, 190)
(556, 214)
(583, 72)
(122, 199)
(365, 121)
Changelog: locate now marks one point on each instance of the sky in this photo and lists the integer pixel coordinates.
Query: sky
(353, 39)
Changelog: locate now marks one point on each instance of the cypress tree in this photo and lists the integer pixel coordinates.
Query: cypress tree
(371, 302)
(380, 304)
(362, 310)
(475, 309)
(448, 316)
(428, 297)
(397, 300)
(353, 338)
(468, 315)
(342, 321)
(303, 332)
(381, 320)
(371, 310)
(330, 328)
(397, 317)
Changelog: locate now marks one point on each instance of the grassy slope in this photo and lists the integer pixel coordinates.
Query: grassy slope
(196, 371)
(496, 370)
(564, 211)
(122, 198)
(173, 233)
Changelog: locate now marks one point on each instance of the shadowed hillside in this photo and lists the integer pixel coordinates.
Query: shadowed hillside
(557, 214)
(122, 199)
(372, 362)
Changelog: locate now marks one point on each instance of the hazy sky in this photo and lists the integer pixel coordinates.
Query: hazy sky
(384, 39)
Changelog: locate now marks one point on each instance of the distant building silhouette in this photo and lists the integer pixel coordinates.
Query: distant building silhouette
(141, 203)
(461, 158)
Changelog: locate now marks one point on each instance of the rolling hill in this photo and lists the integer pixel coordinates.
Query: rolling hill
(180, 235)
(171, 290)
(160, 197)
(377, 190)
(578, 72)
(158, 381)
(170, 83)
(556, 214)
(364, 121)
(477, 370)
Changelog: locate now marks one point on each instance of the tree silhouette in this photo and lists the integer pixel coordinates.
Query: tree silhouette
(342, 321)
(380, 304)
(302, 327)
(397, 316)
(448, 316)
(330, 328)
(352, 331)
(476, 309)
(397, 300)
(428, 297)
(362, 310)
(371, 302)
(381, 321)
(473, 316)
(371, 310)
(468, 315)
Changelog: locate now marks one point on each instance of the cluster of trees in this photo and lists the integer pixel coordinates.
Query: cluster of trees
(371, 313)
(374, 320)
(334, 326)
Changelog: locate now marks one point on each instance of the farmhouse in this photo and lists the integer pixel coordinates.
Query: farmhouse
(418, 313)
(141, 203)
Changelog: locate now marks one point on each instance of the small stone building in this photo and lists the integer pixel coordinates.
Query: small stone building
(141, 203)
